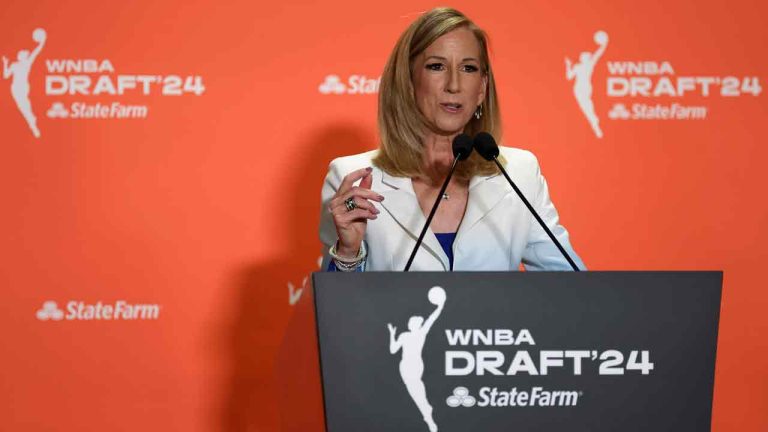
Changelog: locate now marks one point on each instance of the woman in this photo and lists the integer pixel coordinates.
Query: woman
(437, 83)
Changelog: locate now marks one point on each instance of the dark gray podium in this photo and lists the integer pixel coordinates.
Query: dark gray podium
(590, 351)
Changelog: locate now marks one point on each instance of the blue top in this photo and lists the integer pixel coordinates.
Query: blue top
(446, 242)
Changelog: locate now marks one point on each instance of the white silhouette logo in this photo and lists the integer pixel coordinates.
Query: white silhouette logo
(619, 111)
(57, 110)
(19, 71)
(50, 311)
(294, 295)
(411, 364)
(332, 84)
(581, 74)
(461, 397)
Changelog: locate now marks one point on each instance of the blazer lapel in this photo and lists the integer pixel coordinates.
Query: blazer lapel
(485, 192)
(401, 203)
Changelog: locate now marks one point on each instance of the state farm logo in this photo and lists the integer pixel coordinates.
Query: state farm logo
(645, 86)
(461, 397)
(57, 110)
(354, 84)
(78, 81)
(120, 310)
(619, 111)
(492, 397)
(49, 311)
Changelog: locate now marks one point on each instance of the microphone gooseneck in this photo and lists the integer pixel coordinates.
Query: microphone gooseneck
(486, 146)
(462, 148)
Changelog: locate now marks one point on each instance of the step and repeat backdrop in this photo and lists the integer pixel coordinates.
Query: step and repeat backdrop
(162, 165)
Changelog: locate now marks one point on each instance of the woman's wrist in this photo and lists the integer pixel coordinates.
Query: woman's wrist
(344, 252)
(348, 263)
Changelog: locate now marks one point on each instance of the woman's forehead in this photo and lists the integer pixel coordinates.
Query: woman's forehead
(460, 42)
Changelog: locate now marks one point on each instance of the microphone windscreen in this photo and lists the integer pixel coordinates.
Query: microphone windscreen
(486, 145)
(462, 146)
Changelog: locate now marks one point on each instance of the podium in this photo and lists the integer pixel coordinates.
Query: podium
(517, 351)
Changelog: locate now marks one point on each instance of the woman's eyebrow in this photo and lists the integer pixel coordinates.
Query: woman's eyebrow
(445, 59)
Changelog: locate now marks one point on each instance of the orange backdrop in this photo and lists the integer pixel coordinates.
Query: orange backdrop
(195, 190)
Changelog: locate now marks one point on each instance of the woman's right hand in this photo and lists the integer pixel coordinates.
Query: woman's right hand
(351, 225)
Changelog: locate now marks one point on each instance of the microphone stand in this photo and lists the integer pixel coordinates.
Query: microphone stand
(432, 213)
(536, 215)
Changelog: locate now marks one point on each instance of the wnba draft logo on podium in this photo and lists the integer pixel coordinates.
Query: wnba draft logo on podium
(90, 89)
(645, 86)
(410, 343)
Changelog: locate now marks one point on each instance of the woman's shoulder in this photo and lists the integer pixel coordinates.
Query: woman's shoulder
(352, 162)
(341, 166)
(517, 158)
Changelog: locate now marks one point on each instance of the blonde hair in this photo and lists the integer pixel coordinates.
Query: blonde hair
(402, 125)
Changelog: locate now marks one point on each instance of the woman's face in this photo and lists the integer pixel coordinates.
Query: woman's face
(449, 82)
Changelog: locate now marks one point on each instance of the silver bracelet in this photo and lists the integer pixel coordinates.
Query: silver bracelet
(347, 264)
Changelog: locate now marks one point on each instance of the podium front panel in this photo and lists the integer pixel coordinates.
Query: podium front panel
(590, 351)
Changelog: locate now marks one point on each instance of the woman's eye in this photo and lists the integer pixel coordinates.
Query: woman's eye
(471, 68)
(435, 66)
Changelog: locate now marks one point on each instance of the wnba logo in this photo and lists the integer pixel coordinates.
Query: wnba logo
(18, 72)
(410, 344)
(581, 75)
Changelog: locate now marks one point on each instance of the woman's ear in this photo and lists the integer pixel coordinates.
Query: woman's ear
(483, 90)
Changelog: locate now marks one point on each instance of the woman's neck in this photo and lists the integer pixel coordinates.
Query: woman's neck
(437, 158)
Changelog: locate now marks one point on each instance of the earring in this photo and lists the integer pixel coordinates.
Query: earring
(479, 111)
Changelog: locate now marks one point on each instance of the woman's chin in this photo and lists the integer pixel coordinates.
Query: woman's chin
(448, 128)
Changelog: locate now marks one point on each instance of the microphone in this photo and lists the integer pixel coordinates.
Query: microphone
(462, 148)
(486, 146)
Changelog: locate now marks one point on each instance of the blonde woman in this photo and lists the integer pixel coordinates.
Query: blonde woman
(437, 84)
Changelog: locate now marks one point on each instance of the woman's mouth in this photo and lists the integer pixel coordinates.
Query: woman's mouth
(452, 108)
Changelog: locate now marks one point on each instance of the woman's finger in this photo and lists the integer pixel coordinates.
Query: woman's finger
(365, 204)
(338, 202)
(352, 177)
(367, 181)
(359, 203)
(355, 215)
(357, 191)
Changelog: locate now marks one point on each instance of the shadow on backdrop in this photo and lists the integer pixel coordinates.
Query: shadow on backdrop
(271, 346)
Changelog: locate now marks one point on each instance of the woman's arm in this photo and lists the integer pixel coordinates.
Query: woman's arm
(338, 225)
(540, 253)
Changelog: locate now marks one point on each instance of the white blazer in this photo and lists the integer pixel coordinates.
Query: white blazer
(497, 233)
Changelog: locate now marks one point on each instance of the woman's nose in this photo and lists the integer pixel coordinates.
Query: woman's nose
(452, 86)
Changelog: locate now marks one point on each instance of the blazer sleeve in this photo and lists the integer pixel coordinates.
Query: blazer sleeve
(328, 234)
(327, 228)
(541, 253)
